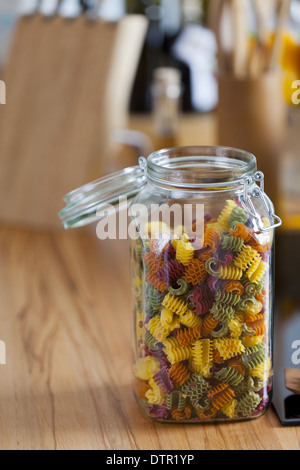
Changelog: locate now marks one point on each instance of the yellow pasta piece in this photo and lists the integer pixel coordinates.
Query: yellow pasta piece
(179, 354)
(169, 320)
(170, 344)
(260, 272)
(155, 395)
(229, 347)
(230, 409)
(221, 223)
(145, 367)
(202, 357)
(253, 267)
(156, 229)
(235, 327)
(266, 222)
(139, 325)
(190, 319)
(156, 329)
(184, 250)
(262, 370)
(178, 306)
(246, 257)
(252, 340)
(230, 272)
(252, 309)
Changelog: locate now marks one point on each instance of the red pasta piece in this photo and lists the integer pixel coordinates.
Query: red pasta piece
(171, 271)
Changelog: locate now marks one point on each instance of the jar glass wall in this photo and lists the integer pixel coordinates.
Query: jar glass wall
(202, 289)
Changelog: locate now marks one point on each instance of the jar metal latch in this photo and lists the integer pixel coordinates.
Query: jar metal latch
(258, 192)
(143, 164)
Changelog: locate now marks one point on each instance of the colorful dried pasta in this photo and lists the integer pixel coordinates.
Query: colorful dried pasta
(202, 322)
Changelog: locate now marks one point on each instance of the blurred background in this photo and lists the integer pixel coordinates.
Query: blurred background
(169, 78)
(90, 85)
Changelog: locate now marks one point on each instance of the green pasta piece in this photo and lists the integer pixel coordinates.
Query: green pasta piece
(247, 404)
(212, 267)
(138, 252)
(181, 290)
(145, 242)
(247, 330)
(198, 382)
(241, 388)
(200, 405)
(221, 312)
(227, 298)
(221, 332)
(245, 301)
(237, 215)
(229, 375)
(254, 355)
(256, 383)
(151, 342)
(154, 297)
(251, 289)
(150, 311)
(181, 402)
(230, 243)
(172, 399)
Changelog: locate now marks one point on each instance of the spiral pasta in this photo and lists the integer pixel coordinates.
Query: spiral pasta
(189, 335)
(154, 395)
(241, 231)
(231, 243)
(249, 401)
(202, 320)
(246, 257)
(184, 251)
(229, 347)
(237, 215)
(222, 221)
(202, 357)
(221, 395)
(177, 305)
(179, 373)
(195, 273)
(211, 239)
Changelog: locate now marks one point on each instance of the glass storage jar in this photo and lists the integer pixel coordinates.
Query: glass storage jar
(202, 280)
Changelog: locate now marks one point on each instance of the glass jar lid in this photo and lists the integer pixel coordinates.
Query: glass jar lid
(84, 204)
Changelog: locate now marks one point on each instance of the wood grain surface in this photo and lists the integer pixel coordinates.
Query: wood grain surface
(65, 318)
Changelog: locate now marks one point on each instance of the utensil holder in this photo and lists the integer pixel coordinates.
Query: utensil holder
(252, 115)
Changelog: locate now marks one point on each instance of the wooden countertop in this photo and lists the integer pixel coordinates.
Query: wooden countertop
(65, 319)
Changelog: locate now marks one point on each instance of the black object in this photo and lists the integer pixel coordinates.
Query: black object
(286, 325)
